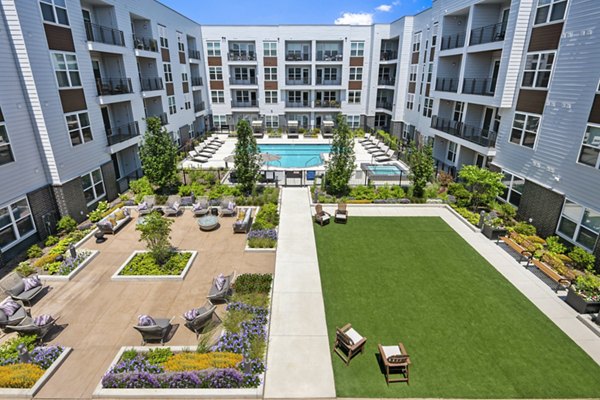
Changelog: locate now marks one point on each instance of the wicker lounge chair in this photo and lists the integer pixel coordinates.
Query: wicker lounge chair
(156, 332)
(28, 327)
(341, 214)
(149, 202)
(10, 320)
(222, 294)
(173, 206)
(203, 317)
(348, 343)
(321, 217)
(395, 360)
(226, 210)
(14, 287)
(201, 207)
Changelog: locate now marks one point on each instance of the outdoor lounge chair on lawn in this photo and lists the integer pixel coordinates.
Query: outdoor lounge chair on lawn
(341, 214)
(147, 205)
(173, 206)
(201, 207)
(200, 317)
(156, 330)
(221, 287)
(23, 289)
(321, 217)
(348, 343)
(11, 312)
(227, 206)
(395, 360)
(39, 326)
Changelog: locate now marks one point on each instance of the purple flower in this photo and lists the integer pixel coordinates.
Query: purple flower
(263, 234)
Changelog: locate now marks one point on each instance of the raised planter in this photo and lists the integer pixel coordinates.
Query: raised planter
(492, 233)
(580, 305)
(71, 275)
(180, 277)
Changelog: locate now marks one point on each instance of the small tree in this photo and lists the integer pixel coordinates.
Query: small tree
(246, 157)
(156, 231)
(483, 184)
(420, 162)
(341, 163)
(158, 154)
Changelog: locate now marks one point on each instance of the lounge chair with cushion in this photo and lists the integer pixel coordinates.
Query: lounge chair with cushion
(221, 287)
(198, 318)
(341, 214)
(39, 326)
(378, 151)
(147, 205)
(204, 150)
(386, 157)
(372, 144)
(395, 360)
(11, 312)
(153, 329)
(228, 207)
(348, 343)
(200, 207)
(173, 206)
(366, 139)
(23, 289)
(243, 222)
(321, 217)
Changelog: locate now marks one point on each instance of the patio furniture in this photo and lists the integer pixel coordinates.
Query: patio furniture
(201, 206)
(243, 222)
(114, 221)
(14, 286)
(17, 315)
(203, 315)
(341, 214)
(386, 157)
(204, 150)
(348, 343)
(395, 361)
(99, 235)
(147, 205)
(228, 207)
(157, 331)
(371, 144)
(208, 222)
(28, 326)
(366, 139)
(173, 206)
(221, 287)
(321, 217)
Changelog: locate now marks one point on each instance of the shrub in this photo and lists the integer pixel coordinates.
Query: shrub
(22, 376)
(362, 192)
(252, 299)
(582, 259)
(159, 355)
(66, 224)
(129, 354)
(51, 241)
(588, 286)
(141, 187)
(470, 216)
(536, 240)
(200, 361)
(483, 184)
(266, 218)
(253, 283)
(34, 251)
(234, 318)
(145, 264)
(98, 213)
(462, 195)
(155, 231)
(507, 210)
(8, 350)
(555, 245)
(445, 179)
(25, 269)
(525, 229)
(43, 260)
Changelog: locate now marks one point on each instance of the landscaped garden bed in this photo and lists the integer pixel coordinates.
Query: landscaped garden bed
(263, 234)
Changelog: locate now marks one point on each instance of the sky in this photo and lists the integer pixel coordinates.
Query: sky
(263, 12)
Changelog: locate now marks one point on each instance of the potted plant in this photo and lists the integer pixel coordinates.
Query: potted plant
(584, 294)
(493, 227)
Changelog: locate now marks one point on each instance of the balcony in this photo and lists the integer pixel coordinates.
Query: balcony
(194, 54)
(112, 86)
(149, 84)
(327, 104)
(244, 104)
(146, 44)
(386, 81)
(329, 56)
(243, 56)
(196, 81)
(480, 86)
(446, 84)
(104, 34)
(199, 106)
(297, 104)
(384, 104)
(303, 81)
(388, 55)
(487, 34)
(329, 82)
(122, 133)
(453, 41)
(248, 81)
(162, 117)
(294, 56)
(480, 136)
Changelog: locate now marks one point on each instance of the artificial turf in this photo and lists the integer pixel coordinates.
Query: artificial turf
(468, 331)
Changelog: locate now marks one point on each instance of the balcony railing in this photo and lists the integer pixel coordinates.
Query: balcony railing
(329, 56)
(194, 54)
(122, 133)
(480, 86)
(303, 81)
(199, 106)
(151, 84)
(387, 55)
(327, 104)
(163, 118)
(453, 41)
(386, 81)
(290, 56)
(110, 86)
(480, 136)
(487, 34)
(104, 34)
(297, 104)
(248, 81)
(241, 56)
(197, 81)
(446, 84)
(384, 104)
(249, 103)
(142, 43)
(329, 81)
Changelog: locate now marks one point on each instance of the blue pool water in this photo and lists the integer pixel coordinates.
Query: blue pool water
(389, 170)
(296, 155)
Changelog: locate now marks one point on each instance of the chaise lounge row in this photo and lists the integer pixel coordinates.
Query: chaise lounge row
(206, 150)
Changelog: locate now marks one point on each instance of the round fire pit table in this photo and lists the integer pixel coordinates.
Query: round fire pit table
(208, 222)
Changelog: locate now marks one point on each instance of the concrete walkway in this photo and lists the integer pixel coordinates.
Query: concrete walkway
(299, 358)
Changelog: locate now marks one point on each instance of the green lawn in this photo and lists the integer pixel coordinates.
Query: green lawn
(469, 332)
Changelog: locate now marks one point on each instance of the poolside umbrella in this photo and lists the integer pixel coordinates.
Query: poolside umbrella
(268, 157)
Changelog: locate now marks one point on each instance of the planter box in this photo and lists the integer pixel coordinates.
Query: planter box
(492, 233)
(580, 305)
(180, 277)
(65, 278)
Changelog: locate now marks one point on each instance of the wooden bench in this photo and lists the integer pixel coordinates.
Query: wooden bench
(560, 280)
(523, 252)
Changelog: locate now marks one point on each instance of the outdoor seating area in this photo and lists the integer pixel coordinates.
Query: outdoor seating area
(206, 150)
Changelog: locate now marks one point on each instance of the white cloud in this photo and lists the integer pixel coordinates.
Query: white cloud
(384, 8)
(349, 18)
(396, 3)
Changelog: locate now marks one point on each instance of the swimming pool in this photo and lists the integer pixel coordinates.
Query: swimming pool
(296, 155)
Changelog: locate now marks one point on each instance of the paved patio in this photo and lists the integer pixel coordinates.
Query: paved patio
(100, 313)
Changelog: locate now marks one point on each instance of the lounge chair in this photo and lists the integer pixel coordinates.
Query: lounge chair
(221, 294)
(386, 157)
(292, 135)
(201, 207)
(155, 332)
(203, 316)
(205, 150)
(173, 206)
(341, 214)
(348, 343)
(366, 139)
(147, 205)
(395, 360)
(228, 207)
(244, 220)
(321, 217)
(379, 151)
(371, 145)
(27, 326)
(200, 160)
(14, 286)
(15, 318)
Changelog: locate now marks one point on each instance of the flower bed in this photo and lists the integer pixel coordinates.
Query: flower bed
(262, 239)
(142, 266)
(67, 269)
(263, 234)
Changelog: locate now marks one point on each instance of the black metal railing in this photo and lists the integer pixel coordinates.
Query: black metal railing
(194, 54)
(251, 56)
(321, 81)
(104, 34)
(453, 41)
(480, 86)
(297, 104)
(110, 86)
(388, 55)
(248, 81)
(151, 84)
(446, 84)
(142, 43)
(122, 133)
(327, 104)
(197, 81)
(329, 56)
(480, 136)
(384, 104)
(302, 81)
(292, 56)
(123, 181)
(386, 81)
(487, 34)
(199, 106)
(249, 103)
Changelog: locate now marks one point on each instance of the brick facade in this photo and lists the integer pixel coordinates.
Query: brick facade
(110, 181)
(70, 199)
(542, 205)
(44, 210)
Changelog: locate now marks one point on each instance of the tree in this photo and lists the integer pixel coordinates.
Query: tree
(246, 157)
(156, 231)
(158, 154)
(483, 184)
(420, 162)
(341, 161)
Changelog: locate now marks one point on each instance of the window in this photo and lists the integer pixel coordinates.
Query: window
(184, 74)
(356, 73)
(168, 73)
(416, 45)
(429, 72)
(524, 129)
(412, 75)
(78, 125)
(326, 97)
(172, 105)
(6, 154)
(187, 103)
(579, 224)
(329, 74)
(410, 101)
(272, 121)
(215, 73)
(270, 74)
(16, 223)
(271, 96)
(219, 120)
(54, 11)
(380, 121)
(213, 49)
(427, 107)
(451, 154)
(162, 34)
(537, 70)
(357, 49)
(459, 107)
(354, 96)
(590, 148)
(550, 11)
(93, 186)
(270, 49)
(514, 189)
(242, 96)
(180, 44)
(434, 32)
(217, 96)
(353, 121)
(66, 69)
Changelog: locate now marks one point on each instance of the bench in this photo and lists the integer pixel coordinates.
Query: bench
(523, 252)
(560, 280)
